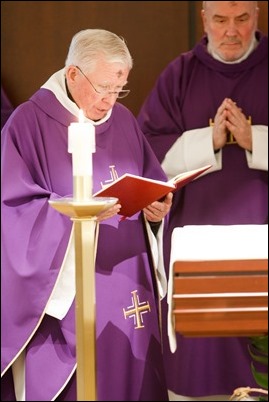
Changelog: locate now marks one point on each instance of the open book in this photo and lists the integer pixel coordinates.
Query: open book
(135, 192)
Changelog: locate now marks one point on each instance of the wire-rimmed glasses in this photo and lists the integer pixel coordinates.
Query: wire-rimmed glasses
(120, 94)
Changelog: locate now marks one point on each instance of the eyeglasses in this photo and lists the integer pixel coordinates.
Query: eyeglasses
(104, 92)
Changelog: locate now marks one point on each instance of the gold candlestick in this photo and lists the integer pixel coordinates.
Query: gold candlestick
(86, 228)
(83, 210)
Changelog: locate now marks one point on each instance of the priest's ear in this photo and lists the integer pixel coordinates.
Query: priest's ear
(72, 74)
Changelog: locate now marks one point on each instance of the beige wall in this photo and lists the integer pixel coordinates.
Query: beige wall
(35, 37)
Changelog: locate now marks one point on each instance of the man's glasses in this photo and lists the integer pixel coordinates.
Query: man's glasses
(104, 92)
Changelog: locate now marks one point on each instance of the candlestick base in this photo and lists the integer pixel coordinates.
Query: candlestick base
(86, 209)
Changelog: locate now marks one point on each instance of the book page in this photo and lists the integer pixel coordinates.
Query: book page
(182, 179)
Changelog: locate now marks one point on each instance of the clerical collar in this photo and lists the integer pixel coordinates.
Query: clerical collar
(253, 45)
(68, 92)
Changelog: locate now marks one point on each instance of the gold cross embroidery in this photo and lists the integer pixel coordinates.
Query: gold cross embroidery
(136, 310)
(113, 176)
(230, 137)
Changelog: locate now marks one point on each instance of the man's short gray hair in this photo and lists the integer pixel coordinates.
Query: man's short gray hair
(255, 3)
(88, 45)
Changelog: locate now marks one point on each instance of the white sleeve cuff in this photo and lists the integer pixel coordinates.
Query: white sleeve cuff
(193, 149)
(258, 158)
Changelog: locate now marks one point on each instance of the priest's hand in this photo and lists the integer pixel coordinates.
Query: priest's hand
(238, 125)
(156, 211)
(230, 123)
(108, 213)
(219, 131)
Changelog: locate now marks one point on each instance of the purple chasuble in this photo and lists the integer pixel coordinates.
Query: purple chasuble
(186, 96)
(36, 166)
(6, 107)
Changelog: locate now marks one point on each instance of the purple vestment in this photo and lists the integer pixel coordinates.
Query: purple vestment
(37, 166)
(6, 107)
(186, 96)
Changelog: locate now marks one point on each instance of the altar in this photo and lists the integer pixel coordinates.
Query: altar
(218, 282)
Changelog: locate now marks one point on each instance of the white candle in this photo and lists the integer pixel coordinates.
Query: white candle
(81, 143)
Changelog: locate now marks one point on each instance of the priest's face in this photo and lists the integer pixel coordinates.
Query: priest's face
(230, 27)
(96, 92)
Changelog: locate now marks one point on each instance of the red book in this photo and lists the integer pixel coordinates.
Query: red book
(135, 192)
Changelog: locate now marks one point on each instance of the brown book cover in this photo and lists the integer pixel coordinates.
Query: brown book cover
(135, 192)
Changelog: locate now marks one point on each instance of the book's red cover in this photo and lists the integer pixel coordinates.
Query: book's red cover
(135, 192)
